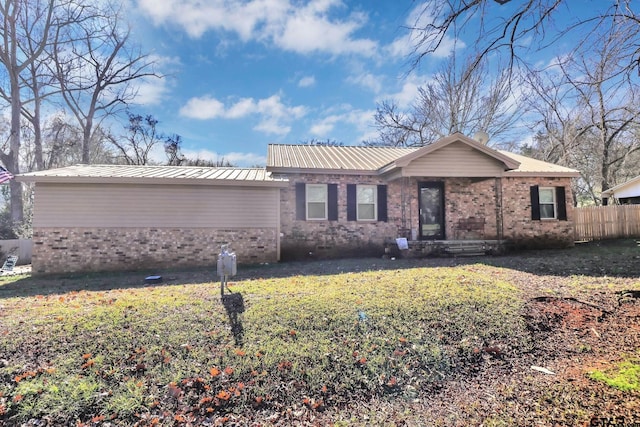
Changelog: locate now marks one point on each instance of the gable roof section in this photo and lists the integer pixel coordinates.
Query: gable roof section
(125, 174)
(630, 188)
(509, 162)
(361, 160)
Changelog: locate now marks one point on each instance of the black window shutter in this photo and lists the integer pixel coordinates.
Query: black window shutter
(301, 201)
(535, 202)
(382, 203)
(351, 203)
(332, 202)
(561, 202)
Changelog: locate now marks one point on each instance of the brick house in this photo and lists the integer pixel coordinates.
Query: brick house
(116, 217)
(319, 201)
(344, 201)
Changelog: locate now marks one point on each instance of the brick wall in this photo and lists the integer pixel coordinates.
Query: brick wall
(504, 203)
(518, 226)
(66, 250)
(329, 239)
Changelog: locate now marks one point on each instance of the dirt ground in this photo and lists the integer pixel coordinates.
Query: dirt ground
(582, 311)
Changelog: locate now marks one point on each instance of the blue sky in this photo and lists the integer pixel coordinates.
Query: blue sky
(242, 74)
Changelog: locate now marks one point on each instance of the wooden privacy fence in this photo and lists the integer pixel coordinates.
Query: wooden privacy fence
(607, 222)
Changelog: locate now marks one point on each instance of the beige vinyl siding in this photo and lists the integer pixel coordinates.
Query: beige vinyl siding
(196, 206)
(454, 160)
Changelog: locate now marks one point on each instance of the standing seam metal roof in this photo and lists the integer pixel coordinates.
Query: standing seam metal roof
(332, 157)
(173, 173)
(282, 157)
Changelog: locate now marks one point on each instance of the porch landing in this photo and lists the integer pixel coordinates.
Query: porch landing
(424, 248)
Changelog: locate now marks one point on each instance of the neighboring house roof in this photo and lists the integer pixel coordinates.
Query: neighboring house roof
(383, 160)
(630, 188)
(156, 175)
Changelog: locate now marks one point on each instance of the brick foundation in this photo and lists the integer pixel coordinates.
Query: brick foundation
(64, 250)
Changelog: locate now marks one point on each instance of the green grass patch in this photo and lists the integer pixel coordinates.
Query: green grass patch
(314, 341)
(624, 376)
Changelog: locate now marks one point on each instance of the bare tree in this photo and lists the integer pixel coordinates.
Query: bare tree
(587, 114)
(172, 148)
(218, 163)
(24, 36)
(62, 144)
(522, 27)
(459, 99)
(135, 147)
(96, 67)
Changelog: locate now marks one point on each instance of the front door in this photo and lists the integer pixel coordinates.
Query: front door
(431, 199)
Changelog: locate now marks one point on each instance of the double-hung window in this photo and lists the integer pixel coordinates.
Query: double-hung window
(316, 201)
(367, 202)
(547, 199)
(548, 203)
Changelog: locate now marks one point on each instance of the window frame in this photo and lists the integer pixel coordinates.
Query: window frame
(325, 201)
(374, 189)
(554, 203)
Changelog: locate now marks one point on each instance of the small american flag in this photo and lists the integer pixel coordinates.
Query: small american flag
(5, 175)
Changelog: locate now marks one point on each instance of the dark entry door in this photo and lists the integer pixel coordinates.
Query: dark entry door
(431, 199)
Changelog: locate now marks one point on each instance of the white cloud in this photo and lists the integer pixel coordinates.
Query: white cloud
(274, 115)
(151, 91)
(404, 46)
(325, 126)
(368, 81)
(203, 108)
(307, 81)
(361, 120)
(408, 93)
(285, 23)
(309, 30)
(240, 109)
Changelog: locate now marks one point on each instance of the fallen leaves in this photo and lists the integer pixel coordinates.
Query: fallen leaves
(425, 333)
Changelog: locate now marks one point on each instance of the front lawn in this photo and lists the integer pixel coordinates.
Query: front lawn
(307, 349)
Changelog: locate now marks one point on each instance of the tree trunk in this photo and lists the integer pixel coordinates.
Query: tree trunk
(86, 141)
(37, 134)
(13, 159)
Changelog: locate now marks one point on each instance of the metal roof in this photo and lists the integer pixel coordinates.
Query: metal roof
(531, 167)
(284, 157)
(156, 175)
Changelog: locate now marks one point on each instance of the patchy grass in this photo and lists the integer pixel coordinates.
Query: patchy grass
(446, 342)
(306, 341)
(624, 376)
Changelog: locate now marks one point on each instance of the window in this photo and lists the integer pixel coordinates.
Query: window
(547, 202)
(366, 202)
(316, 201)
